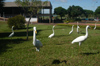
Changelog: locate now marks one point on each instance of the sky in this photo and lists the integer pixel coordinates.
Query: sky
(85, 4)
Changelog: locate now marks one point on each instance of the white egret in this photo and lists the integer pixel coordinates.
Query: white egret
(81, 38)
(36, 42)
(50, 36)
(12, 32)
(77, 28)
(95, 26)
(71, 30)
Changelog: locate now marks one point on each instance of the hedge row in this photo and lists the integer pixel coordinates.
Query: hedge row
(82, 26)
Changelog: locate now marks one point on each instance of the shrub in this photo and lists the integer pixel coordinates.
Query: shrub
(71, 20)
(81, 26)
(18, 22)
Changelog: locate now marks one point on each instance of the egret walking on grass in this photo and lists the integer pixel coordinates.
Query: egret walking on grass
(77, 28)
(95, 26)
(81, 38)
(50, 36)
(12, 32)
(71, 30)
(36, 42)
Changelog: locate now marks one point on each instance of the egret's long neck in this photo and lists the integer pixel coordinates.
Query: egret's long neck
(86, 32)
(77, 28)
(53, 29)
(12, 30)
(34, 37)
(72, 27)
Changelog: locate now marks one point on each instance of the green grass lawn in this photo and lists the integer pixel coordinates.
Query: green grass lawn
(57, 51)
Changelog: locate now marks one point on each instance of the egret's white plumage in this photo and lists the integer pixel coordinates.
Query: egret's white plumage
(95, 26)
(12, 32)
(50, 36)
(71, 30)
(36, 42)
(77, 28)
(81, 38)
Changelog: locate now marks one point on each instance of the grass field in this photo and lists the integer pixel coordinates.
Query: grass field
(57, 51)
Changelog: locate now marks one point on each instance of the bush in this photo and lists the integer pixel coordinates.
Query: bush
(81, 26)
(71, 20)
(18, 22)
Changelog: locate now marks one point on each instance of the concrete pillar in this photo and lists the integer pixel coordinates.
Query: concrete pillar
(50, 15)
(43, 13)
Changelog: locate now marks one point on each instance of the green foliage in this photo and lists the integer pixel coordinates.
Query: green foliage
(60, 11)
(18, 22)
(97, 12)
(82, 26)
(74, 11)
(71, 20)
(1, 3)
(65, 21)
(88, 13)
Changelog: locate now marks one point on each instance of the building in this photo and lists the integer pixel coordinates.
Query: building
(11, 9)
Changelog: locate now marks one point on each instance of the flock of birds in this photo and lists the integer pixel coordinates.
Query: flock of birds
(37, 43)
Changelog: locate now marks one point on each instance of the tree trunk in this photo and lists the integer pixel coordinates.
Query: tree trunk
(61, 17)
(28, 26)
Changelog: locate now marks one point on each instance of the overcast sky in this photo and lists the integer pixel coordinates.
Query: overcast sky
(85, 4)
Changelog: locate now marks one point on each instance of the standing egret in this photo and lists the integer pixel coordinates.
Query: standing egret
(77, 27)
(81, 38)
(95, 26)
(71, 30)
(36, 42)
(50, 36)
(12, 32)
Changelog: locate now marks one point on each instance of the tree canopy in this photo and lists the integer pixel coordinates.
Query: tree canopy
(1, 3)
(32, 7)
(74, 11)
(60, 11)
(88, 13)
(97, 11)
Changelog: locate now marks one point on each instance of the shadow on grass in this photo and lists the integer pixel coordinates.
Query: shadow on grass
(60, 36)
(22, 33)
(5, 42)
(58, 61)
(90, 53)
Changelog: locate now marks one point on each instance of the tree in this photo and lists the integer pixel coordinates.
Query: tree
(18, 22)
(74, 11)
(1, 3)
(88, 13)
(97, 12)
(30, 7)
(60, 11)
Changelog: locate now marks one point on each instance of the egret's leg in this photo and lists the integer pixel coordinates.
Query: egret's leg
(37, 49)
(79, 47)
(79, 43)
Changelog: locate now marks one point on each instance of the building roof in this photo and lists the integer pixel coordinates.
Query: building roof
(13, 4)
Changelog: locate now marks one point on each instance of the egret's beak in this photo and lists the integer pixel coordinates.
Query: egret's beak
(36, 32)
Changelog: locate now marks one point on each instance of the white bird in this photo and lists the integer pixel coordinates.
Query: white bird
(77, 27)
(50, 36)
(95, 26)
(12, 32)
(71, 30)
(36, 42)
(81, 38)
